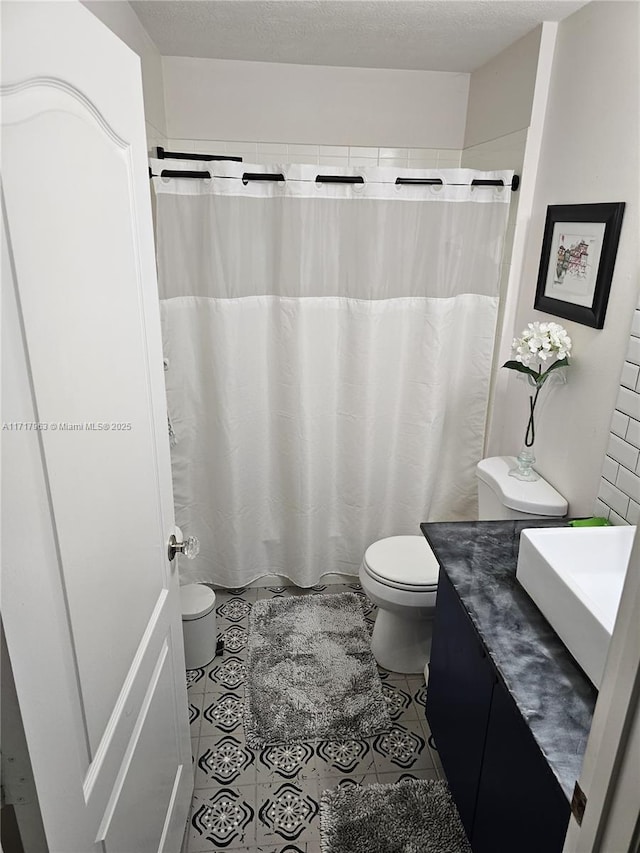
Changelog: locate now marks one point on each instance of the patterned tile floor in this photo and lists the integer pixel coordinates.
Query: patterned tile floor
(267, 800)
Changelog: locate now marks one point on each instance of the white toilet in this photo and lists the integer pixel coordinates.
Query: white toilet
(400, 573)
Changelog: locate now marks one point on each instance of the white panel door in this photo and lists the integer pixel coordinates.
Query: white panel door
(90, 602)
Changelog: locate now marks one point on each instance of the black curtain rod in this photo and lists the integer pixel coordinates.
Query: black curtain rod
(515, 183)
(336, 179)
(190, 155)
(320, 179)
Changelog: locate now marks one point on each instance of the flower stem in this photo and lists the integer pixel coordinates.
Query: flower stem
(530, 435)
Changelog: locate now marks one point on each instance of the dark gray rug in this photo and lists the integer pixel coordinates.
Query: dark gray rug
(310, 672)
(412, 816)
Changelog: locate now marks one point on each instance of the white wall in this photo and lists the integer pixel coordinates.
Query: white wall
(213, 99)
(504, 152)
(499, 113)
(507, 103)
(123, 21)
(501, 92)
(589, 153)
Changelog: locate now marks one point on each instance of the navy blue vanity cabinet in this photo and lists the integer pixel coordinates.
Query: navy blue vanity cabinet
(508, 797)
(461, 682)
(520, 805)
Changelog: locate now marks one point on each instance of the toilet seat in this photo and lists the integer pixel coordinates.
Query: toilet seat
(402, 562)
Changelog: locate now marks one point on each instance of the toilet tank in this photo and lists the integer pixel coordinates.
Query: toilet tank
(502, 497)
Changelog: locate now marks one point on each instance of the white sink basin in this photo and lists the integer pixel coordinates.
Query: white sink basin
(575, 576)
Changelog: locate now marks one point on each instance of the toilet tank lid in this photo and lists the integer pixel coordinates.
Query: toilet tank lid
(538, 498)
(196, 600)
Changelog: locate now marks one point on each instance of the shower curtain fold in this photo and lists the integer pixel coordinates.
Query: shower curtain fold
(329, 352)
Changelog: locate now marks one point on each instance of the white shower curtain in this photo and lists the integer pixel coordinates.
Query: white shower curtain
(328, 350)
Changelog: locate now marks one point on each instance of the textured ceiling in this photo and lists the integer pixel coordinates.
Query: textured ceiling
(432, 35)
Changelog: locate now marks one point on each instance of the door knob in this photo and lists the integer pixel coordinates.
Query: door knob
(190, 547)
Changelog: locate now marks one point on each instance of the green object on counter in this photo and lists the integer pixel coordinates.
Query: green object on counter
(590, 522)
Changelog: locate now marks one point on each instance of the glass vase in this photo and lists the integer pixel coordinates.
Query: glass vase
(526, 458)
(524, 469)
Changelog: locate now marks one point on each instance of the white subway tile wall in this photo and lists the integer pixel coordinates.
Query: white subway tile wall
(619, 424)
(619, 495)
(610, 469)
(269, 153)
(633, 516)
(630, 375)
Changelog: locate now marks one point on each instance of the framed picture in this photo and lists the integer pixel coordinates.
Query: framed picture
(578, 255)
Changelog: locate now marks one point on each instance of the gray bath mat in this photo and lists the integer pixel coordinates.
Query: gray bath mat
(310, 672)
(412, 816)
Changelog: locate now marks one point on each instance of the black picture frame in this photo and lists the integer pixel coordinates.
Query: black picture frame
(581, 241)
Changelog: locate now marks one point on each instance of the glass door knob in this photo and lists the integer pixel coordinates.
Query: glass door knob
(190, 547)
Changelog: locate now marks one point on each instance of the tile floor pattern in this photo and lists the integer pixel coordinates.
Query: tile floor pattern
(267, 800)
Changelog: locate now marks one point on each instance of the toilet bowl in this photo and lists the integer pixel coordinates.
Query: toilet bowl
(400, 576)
(400, 573)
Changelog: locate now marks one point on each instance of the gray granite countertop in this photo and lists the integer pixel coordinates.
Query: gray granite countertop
(552, 693)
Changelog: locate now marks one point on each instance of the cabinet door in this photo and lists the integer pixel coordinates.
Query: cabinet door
(521, 805)
(458, 698)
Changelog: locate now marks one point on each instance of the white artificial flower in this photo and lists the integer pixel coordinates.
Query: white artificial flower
(540, 345)
(541, 342)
